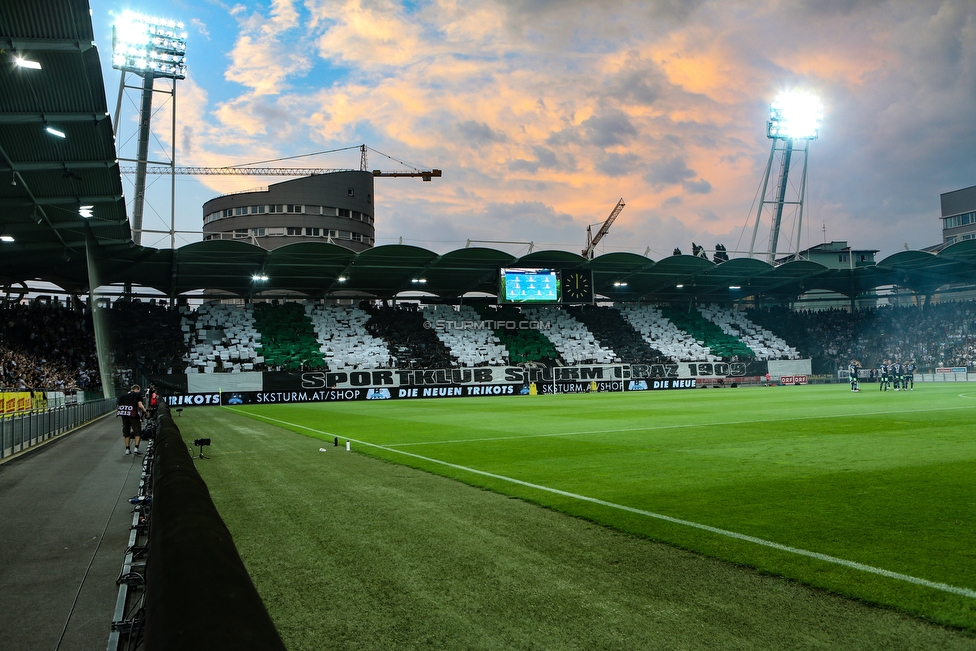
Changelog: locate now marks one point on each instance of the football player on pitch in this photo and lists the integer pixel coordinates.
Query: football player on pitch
(909, 378)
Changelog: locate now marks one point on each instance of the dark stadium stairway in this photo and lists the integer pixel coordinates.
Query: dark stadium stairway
(613, 331)
(64, 529)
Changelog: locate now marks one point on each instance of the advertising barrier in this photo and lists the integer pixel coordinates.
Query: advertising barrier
(397, 377)
(13, 403)
(406, 384)
(789, 380)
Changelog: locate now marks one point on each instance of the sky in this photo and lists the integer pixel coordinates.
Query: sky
(542, 114)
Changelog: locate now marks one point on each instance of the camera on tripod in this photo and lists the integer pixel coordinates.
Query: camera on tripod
(200, 443)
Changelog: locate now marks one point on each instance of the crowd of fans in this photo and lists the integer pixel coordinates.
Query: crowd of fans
(146, 338)
(47, 346)
(417, 346)
(940, 335)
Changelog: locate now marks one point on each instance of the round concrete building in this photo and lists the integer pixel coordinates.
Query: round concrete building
(335, 207)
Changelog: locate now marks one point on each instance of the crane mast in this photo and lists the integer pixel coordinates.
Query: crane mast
(593, 240)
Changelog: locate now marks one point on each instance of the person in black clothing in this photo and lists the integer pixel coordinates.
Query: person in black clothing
(909, 378)
(129, 408)
(852, 370)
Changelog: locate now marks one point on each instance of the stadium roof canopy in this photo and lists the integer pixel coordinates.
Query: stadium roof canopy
(57, 149)
(49, 183)
(319, 270)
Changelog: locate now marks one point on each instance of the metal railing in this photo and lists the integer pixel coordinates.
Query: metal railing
(19, 432)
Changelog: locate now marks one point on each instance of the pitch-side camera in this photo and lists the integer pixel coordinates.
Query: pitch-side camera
(200, 443)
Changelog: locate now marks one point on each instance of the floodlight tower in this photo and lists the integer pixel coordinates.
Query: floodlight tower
(794, 120)
(150, 48)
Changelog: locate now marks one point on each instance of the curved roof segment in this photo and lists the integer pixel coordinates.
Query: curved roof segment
(319, 270)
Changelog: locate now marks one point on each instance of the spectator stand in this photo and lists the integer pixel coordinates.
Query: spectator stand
(288, 338)
(719, 344)
(472, 346)
(761, 341)
(402, 328)
(344, 340)
(524, 345)
(664, 335)
(221, 337)
(612, 330)
(575, 343)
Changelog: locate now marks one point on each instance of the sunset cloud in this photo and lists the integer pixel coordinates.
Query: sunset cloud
(542, 114)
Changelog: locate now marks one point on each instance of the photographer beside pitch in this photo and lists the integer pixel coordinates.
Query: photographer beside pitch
(129, 408)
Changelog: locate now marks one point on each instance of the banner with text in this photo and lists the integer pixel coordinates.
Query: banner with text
(387, 384)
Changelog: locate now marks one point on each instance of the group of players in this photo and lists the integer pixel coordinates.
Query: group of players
(899, 375)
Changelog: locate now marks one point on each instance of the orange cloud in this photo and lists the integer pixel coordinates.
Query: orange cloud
(570, 107)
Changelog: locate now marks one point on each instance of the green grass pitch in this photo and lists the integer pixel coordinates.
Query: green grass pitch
(869, 495)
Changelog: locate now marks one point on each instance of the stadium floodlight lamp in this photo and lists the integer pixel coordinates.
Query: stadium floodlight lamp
(259, 278)
(6, 238)
(419, 280)
(87, 212)
(795, 115)
(24, 63)
(735, 287)
(146, 45)
(342, 279)
(55, 132)
(619, 284)
(679, 286)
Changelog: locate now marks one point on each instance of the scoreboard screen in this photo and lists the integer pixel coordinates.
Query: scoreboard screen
(543, 285)
(528, 286)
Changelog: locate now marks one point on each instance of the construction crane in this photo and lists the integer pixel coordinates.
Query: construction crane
(593, 240)
(426, 175)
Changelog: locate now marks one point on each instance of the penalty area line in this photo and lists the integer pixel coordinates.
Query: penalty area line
(935, 585)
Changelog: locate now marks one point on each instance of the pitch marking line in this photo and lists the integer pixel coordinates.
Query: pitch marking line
(666, 427)
(944, 587)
